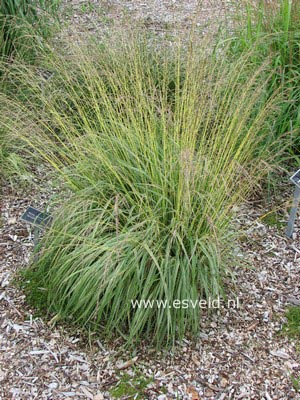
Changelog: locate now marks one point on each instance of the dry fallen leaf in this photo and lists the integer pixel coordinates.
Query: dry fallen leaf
(196, 361)
(127, 364)
(224, 382)
(193, 393)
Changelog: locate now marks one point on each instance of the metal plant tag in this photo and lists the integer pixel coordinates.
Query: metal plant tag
(296, 178)
(293, 213)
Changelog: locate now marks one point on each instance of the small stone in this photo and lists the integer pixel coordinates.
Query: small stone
(52, 385)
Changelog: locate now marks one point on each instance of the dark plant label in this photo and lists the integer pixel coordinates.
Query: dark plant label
(36, 217)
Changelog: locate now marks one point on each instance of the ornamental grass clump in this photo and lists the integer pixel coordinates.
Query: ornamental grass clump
(24, 25)
(157, 147)
(271, 30)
